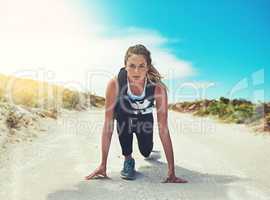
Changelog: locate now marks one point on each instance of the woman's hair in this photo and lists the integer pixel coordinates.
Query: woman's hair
(153, 75)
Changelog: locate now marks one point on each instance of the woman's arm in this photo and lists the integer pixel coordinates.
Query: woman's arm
(164, 134)
(110, 100)
(107, 131)
(162, 116)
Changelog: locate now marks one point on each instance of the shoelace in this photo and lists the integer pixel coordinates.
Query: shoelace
(128, 165)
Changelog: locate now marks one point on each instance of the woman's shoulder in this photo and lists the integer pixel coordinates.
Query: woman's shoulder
(160, 88)
(113, 84)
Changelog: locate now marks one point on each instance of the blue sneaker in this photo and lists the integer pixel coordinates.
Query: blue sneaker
(128, 171)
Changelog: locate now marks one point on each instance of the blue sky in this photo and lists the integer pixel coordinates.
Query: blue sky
(226, 41)
(204, 49)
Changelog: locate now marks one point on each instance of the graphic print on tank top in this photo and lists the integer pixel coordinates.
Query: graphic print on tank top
(129, 103)
(139, 103)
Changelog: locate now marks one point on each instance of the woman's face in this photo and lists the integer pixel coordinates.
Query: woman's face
(136, 67)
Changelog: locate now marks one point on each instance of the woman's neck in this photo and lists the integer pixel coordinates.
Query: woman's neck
(136, 87)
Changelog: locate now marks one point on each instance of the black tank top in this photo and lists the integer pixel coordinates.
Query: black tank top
(126, 106)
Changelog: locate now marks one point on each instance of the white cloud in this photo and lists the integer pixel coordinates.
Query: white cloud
(69, 41)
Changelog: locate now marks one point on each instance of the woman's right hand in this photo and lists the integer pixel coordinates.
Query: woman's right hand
(99, 172)
(111, 96)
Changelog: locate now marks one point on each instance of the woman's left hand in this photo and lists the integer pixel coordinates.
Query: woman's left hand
(174, 179)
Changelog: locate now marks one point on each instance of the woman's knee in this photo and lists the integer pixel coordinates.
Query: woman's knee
(145, 151)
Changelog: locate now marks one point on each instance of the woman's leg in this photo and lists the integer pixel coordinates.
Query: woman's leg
(144, 133)
(125, 135)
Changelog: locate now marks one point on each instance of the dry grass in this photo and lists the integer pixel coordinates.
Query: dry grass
(37, 94)
(238, 111)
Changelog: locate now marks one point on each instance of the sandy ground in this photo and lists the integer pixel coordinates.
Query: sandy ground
(220, 161)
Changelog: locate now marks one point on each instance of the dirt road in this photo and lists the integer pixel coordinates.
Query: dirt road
(220, 161)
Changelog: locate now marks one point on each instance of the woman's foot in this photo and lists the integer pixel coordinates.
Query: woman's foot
(154, 155)
(128, 171)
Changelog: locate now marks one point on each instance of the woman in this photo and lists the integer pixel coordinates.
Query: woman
(130, 99)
